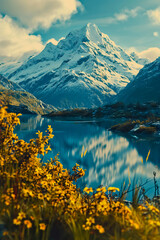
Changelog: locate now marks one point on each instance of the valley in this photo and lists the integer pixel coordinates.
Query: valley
(79, 120)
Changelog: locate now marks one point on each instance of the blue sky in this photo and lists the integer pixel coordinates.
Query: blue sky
(130, 23)
(133, 32)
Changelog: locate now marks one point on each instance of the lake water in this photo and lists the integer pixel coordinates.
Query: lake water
(111, 158)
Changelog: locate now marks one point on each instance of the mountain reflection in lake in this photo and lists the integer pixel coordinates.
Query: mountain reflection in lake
(110, 158)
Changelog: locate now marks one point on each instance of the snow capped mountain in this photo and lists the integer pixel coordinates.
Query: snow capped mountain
(84, 70)
(145, 87)
(10, 64)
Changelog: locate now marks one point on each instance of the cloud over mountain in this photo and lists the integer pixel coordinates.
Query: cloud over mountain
(41, 13)
(150, 53)
(15, 40)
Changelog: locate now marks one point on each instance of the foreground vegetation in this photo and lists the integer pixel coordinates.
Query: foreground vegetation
(41, 201)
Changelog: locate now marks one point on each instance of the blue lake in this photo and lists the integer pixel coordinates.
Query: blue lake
(111, 158)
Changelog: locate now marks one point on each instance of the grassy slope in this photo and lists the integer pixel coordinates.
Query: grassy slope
(23, 101)
(18, 100)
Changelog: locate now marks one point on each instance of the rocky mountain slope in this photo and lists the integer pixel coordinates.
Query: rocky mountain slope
(11, 64)
(84, 70)
(7, 84)
(145, 87)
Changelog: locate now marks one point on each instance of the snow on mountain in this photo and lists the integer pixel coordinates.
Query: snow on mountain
(84, 70)
(145, 87)
(139, 60)
(10, 64)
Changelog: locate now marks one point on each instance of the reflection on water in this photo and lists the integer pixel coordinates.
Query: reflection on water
(110, 158)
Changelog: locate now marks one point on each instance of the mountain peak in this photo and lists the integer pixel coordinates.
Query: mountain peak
(93, 33)
(89, 33)
(91, 27)
(49, 46)
(48, 51)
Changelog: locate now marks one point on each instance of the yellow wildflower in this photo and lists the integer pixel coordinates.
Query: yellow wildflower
(141, 208)
(87, 228)
(49, 176)
(48, 148)
(13, 196)
(100, 228)
(90, 221)
(153, 209)
(7, 202)
(5, 233)
(21, 215)
(42, 226)
(28, 223)
(16, 221)
(113, 189)
(40, 196)
(87, 190)
(103, 189)
(134, 224)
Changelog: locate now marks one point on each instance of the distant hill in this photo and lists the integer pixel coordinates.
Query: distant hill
(7, 84)
(18, 100)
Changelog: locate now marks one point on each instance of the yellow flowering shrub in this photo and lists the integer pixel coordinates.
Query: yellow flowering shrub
(40, 200)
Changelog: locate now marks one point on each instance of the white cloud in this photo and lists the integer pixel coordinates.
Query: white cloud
(35, 13)
(154, 16)
(15, 41)
(155, 34)
(150, 53)
(127, 13)
(121, 16)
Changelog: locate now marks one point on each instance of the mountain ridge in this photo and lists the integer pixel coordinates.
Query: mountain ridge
(145, 87)
(86, 69)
